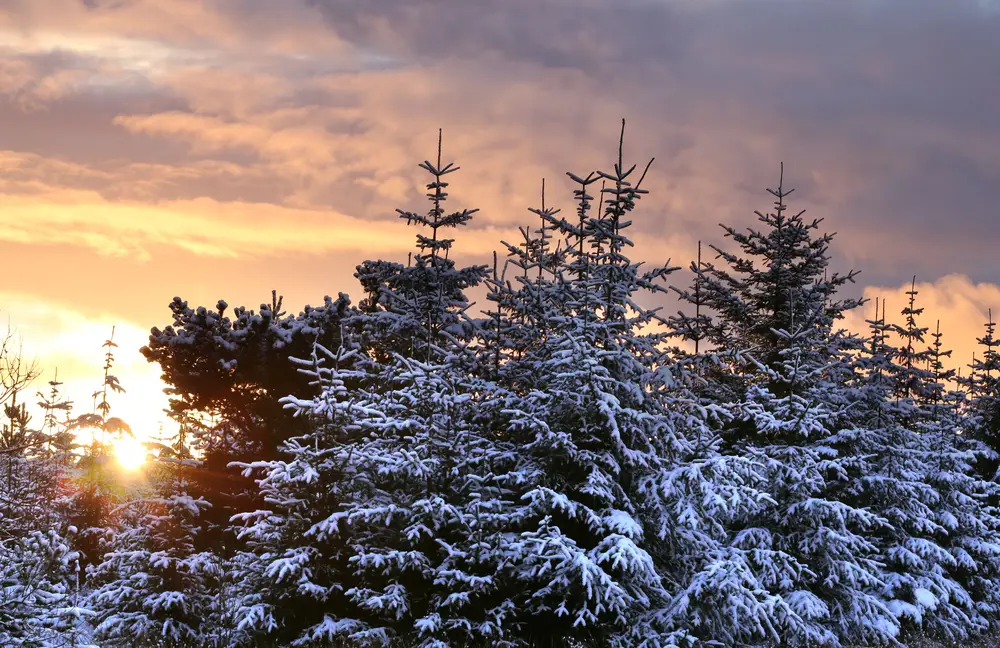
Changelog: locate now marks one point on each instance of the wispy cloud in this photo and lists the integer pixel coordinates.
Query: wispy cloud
(201, 226)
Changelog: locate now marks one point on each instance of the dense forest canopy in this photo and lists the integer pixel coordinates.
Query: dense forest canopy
(567, 464)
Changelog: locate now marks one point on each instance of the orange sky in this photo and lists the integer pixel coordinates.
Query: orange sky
(223, 148)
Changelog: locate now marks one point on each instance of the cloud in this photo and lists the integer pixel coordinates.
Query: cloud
(201, 227)
(307, 145)
(147, 31)
(33, 83)
(537, 89)
(960, 305)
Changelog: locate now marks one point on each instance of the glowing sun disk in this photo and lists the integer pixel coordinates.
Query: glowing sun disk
(131, 453)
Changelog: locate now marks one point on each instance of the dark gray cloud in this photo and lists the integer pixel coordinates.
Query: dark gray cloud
(578, 34)
(889, 95)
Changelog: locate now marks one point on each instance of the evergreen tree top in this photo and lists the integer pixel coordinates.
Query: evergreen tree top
(434, 246)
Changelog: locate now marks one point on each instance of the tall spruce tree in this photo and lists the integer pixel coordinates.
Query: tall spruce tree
(386, 518)
(774, 306)
(966, 509)
(410, 309)
(627, 527)
(893, 457)
(983, 409)
(584, 419)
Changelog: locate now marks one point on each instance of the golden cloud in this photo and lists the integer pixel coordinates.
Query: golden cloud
(202, 226)
(961, 306)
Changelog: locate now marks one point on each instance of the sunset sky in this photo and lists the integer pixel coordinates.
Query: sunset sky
(219, 149)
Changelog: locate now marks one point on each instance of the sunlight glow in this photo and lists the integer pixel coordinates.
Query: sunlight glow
(131, 453)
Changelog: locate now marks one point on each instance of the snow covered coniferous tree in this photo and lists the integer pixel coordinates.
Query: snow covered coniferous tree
(895, 452)
(557, 475)
(965, 512)
(226, 371)
(773, 306)
(387, 518)
(153, 587)
(413, 307)
(622, 514)
(983, 387)
(37, 563)
(445, 497)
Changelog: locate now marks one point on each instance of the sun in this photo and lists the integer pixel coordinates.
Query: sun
(130, 452)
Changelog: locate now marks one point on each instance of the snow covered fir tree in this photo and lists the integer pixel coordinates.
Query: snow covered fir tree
(602, 453)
